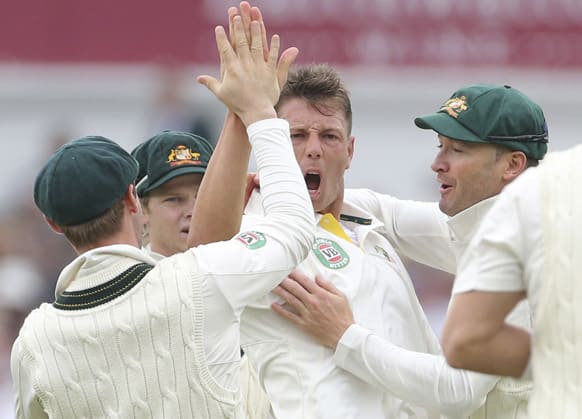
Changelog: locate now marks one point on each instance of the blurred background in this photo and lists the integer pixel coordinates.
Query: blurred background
(125, 70)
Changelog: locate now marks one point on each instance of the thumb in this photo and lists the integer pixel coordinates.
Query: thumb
(285, 60)
(210, 82)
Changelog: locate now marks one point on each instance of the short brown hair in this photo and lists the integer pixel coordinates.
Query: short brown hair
(319, 84)
(97, 229)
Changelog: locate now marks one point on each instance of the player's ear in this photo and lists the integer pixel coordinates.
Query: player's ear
(132, 200)
(351, 142)
(516, 164)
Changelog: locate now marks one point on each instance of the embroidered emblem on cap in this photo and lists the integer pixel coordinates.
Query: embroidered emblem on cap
(183, 155)
(330, 254)
(252, 239)
(454, 106)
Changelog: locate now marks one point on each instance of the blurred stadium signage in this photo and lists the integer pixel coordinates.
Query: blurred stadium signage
(543, 33)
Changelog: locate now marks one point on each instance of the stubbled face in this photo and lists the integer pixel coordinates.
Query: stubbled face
(168, 213)
(467, 173)
(323, 150)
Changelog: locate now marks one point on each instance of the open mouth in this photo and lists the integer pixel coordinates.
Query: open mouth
(445, 187)
(185, 230)
(312, 180)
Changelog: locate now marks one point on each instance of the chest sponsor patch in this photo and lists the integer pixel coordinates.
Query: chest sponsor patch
(252, 239)
(330, 254)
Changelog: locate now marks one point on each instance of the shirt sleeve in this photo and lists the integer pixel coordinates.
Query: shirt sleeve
(423, 379)
(256, 260)
(26, 403)
(417, 230)
(498, 254)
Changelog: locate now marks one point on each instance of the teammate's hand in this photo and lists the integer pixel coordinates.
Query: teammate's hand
(318, 308)
(249, 84)
(249, 14)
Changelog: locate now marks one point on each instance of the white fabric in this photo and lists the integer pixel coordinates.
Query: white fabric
(421, 232)
(510, 241)
(531, 241)
(150, 352)
(300, 376)
(256, 404)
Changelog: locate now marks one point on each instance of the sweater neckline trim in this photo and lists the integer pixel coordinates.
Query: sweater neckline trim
(103, 293)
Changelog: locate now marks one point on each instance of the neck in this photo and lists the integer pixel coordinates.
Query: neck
(126, 235)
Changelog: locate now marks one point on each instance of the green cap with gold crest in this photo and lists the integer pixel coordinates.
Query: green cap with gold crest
(167, 155)
(494, 114)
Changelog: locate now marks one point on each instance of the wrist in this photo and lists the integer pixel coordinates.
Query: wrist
(255, 115)
(341, 331)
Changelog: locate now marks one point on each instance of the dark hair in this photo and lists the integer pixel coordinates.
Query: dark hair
(321, 86)
(97, 229)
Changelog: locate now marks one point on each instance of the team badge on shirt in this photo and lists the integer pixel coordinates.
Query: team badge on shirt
(330, 254)
(252, 239)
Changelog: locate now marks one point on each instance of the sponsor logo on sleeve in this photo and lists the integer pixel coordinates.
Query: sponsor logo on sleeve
(252, 239)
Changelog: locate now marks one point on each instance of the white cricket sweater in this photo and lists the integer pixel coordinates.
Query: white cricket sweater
(557, 340)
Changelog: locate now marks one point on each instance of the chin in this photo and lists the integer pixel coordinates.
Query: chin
(445, 209)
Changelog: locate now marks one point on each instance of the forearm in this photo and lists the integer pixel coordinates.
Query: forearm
(423, 379)
(221, 193)
(292, 214)
(477, 334)
(505, 353)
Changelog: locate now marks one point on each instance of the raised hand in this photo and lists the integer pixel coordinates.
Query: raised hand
(248, 84)
(250, 14)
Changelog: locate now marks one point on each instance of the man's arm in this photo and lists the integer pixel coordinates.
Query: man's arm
(26, 401)
(492, 280)
(218, 209)
(426, 380)
(416, 230)
(476, 336)
(279, 241)
(221, 198)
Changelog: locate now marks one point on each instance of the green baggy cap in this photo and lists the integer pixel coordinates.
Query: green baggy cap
(167, 155)
(486, 113)
(83, 179)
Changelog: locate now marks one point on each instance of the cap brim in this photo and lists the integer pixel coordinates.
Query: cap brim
(180, 171)
(446, 125)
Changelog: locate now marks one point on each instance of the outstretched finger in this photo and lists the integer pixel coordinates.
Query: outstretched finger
(290, 298)
(289, 315)
(241, 43)
(258, 16)
(256, 42)
(210, 82)
(287, 59)
(327, 285)
(299, 279)
(232, 12)
(245, 12)
(274, 51)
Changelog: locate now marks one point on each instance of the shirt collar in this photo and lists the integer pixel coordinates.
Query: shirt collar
(99, 265)
(465, 224)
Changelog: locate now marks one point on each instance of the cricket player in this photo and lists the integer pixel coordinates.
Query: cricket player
(488, 135)
(529, 245)
(125, 338)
